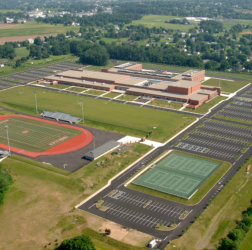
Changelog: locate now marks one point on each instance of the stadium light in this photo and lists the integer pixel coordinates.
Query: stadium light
(7, 134)
(36, 103)
(82, 109)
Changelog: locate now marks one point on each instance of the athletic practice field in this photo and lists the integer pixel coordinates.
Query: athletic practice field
(33, 137)
(178, 174)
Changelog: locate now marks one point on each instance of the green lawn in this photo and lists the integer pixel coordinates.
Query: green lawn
(59, 86)
(21, 52)
(7, 70)
(95, 92)
(247, 241)
(202, 191)
(77, 89)
(112, 95)
(34, 28)
(204, 108)
(127, 97)
(166, 104)
(159, 21)
(40, 203)
(226, 86)
(117, 117)
(98, 68)
(220, 216)
(245, 76)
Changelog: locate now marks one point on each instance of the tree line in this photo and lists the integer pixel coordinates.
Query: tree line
(5, 182)
(236, 235)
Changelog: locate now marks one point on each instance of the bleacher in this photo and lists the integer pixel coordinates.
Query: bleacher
(58, 116)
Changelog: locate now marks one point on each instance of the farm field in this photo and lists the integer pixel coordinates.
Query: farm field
(116, 117)
(31, 195)
(220, 216)
(159, 21)
(33, 28)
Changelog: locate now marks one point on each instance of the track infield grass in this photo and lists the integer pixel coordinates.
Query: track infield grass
(178, 174)
(203, 189)
(111, 116)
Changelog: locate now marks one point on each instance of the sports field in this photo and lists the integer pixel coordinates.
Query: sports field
(178, 174)
(34, 137)
(101, 114)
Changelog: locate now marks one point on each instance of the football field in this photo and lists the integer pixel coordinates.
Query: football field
(34, 134)
(178, 174)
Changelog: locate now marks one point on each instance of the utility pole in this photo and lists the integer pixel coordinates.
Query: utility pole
(36, 103)
(7, 134)
(82, 109)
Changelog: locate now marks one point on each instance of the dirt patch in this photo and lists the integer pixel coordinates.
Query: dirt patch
(124, 234)
(8, 26)
(247, 32)
(21, 38)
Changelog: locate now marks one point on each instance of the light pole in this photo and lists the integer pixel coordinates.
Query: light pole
(36, 103)
(82, 109)
(7, 134)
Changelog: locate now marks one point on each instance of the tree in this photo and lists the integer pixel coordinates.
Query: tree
(227, 244)
(5, 181)
(82, 242)
(96, 55)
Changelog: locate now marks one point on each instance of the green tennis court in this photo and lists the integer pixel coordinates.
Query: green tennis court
(178, 174)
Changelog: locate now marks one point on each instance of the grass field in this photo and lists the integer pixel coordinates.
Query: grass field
(95, 92)
(36, 63)
(127, 97)
(77, 89)
(34, 28)
(159, 21)
(204, 108)
(220, 216)
(33, 135)
(166, 104)
(226, 86)
(21, 52)
(245, 76)
(117, 117)
(59, 86)
(39, 206)
(178, 174)
(247, 241)
(112, 95)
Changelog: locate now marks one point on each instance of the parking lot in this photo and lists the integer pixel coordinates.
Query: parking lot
(34, 74)
(136, 210)
(210, 137)
(223, 141)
